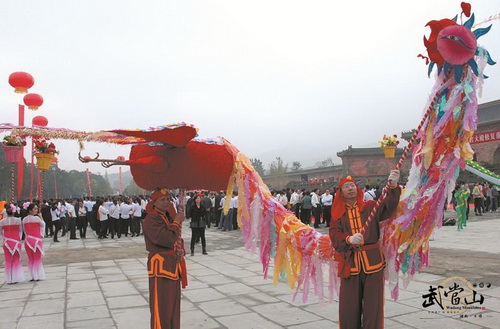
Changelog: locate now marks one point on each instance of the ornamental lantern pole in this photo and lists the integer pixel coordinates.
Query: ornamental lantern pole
(120, 182)
(89, 186)
(54, 162)
(39, 121)
(21, 81)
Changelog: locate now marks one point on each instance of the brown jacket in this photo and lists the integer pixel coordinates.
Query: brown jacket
(161, 237)
(368, 257)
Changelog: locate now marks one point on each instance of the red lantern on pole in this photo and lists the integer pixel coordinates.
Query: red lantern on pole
(54, 162)
(21, 81)
(33, 101)
(89, 186)
(120, 182)
(40, 121)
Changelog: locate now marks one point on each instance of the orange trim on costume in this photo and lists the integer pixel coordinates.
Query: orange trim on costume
(354, 219)
(368, 269)
(352, 222)
(183, 270)
(157, 270)
(356, 268)
(157, 322)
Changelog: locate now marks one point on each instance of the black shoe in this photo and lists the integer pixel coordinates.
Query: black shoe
(192, 253)
(205, 253)
(56, 240)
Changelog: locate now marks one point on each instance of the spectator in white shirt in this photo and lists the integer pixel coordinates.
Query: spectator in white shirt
(221, 210)
(283, 200)
(316, 207)
(103, 219)
(107, 204)
(135, 221)
(234, 202)
(63, 213)
(82, 220)
(125, 211)
(369, 194)
(114, 220)
(72, 219)
(326, 201)
(294, 203)
(56, 220)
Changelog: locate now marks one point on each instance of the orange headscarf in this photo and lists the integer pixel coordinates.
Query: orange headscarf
(338, 208)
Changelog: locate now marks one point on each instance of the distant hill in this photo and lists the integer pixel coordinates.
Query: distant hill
(126, 179)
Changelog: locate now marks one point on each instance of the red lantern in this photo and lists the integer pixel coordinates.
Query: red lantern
(121, 158)
(33, 101)
(21, 81)
(40, 120)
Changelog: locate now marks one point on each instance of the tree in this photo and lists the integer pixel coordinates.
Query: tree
(133, 189)
(277, 168)
(296, 166)
(277, 171)
(258, 166)
(325, 163)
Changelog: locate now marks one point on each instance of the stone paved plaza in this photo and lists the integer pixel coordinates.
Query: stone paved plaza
(102, 284)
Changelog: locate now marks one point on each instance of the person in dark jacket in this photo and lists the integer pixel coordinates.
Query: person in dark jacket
(198, 223)
(166, 265)
(360, 258)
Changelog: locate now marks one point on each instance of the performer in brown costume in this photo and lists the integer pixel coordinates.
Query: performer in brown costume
(361, 261)
(166, 265)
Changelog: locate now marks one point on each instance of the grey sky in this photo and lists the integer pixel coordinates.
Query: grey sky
(300, 79)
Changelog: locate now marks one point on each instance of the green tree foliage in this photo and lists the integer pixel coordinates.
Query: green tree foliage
(278, 168)
(296, 166)
(325, 163)
(258, 166)
(133, 189)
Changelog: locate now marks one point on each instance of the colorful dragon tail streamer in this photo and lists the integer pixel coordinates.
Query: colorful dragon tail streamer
(300, 253)
(443, 147)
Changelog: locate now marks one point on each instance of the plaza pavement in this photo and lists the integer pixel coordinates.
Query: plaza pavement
(226, 288)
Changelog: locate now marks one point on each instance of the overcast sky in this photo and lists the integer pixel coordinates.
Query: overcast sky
(297, 79)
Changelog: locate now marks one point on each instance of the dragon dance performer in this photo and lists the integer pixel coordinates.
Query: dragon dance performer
(461, 195)
(166, 264)
(361, 261)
